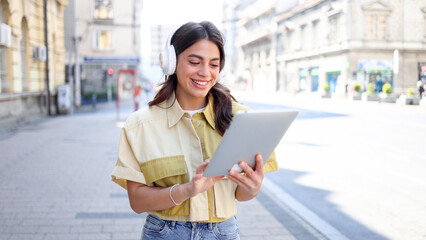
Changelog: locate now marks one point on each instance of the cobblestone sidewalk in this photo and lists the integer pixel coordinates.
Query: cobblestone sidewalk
(55, 184)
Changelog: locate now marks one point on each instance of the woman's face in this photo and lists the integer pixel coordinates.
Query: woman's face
(197, 70)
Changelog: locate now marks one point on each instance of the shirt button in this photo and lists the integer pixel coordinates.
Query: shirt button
(198, 122)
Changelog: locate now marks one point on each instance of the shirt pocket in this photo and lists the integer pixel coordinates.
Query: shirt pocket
(165, 172)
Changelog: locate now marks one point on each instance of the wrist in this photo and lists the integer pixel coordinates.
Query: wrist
(186, 190)
(179, 193)
(245, 195)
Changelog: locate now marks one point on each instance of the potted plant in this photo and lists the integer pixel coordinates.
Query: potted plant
(356, 93)
(386, 95)
(326, 90)
(370, 94)
(409, 98)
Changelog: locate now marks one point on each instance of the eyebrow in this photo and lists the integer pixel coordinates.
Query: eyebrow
(201, 58)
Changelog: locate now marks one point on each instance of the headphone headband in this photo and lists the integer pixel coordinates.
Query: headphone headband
(168, 59)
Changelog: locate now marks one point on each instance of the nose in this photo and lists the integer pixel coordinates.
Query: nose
(204, 70)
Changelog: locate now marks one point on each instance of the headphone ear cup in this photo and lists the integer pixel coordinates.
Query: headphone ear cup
(168, 60)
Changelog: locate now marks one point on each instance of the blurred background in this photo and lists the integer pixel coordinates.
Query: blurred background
(352, 165)
(57, 55)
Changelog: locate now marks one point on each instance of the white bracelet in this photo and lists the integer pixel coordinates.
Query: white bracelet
(170, 194)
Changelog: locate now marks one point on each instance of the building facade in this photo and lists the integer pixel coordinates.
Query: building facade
(104, 43)
(340, 42)
(256, 45)
(31, 57)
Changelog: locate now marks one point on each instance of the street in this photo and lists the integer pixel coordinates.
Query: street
(349, 170)
(360, 166)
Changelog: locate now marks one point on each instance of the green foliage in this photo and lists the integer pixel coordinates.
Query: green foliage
(370, 88)
(325, 87)
(387, 88)
(410, 92)
(357, 87)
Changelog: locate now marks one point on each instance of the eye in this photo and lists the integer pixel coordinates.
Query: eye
(194, 62)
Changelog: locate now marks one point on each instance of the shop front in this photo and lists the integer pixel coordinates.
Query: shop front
(303, 75)
(377, 72)
(333, 79)
(99, 77)
(422, 72)
(314, 79)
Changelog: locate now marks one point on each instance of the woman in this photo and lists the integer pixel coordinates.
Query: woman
(165, 148)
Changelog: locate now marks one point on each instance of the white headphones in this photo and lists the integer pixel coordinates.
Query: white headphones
(168, 59)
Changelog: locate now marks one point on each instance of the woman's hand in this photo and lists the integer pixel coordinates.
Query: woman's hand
(144, 198)
(249, 184)
(200, 183)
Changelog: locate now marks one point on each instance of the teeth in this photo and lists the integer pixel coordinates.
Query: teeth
(200, 83)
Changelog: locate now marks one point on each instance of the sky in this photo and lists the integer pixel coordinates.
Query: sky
(179, 12)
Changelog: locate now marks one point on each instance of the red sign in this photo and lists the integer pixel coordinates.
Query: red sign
(110, 71)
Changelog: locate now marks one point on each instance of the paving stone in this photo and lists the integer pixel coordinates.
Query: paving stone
(4, 236)
(117, 228)
(61, 236)
(54, 229)
(86, 229)
(94, 236)
(126, 236)
(20, 229)
(21, 236)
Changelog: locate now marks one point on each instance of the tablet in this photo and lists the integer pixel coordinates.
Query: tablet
(250, 132)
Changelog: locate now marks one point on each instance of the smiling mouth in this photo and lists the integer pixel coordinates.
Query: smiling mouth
(202, 83)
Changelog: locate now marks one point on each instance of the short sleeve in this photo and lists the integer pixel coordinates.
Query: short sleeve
(271, 165)
(127, 166)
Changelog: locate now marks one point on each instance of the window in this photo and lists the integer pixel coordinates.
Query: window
(424, 23)
(334, 33)
(24, 44)
(303, 37)
(3, 72)
(375, 26)
(376, 14)
(290, 41)
(102, 40)
(103, 9)
(315, 33)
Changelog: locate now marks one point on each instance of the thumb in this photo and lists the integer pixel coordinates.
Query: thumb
(200, 169)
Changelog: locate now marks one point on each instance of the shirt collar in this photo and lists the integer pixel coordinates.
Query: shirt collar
(175, 112)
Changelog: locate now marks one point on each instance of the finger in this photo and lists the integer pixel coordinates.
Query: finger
(240, 179)
(259, 163)
(237, 178)
(200, 169)
(246, 168)
(215, 179)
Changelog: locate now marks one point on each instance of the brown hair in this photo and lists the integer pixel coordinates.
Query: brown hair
(183, 38)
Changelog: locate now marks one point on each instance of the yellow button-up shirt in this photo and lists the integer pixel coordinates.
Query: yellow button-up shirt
(163, 145)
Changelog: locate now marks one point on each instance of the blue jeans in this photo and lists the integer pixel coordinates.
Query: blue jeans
(156, 228)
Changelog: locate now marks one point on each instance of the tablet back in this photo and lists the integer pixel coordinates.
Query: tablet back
(250, 132)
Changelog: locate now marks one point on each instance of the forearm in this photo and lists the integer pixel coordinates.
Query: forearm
(144, 198)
